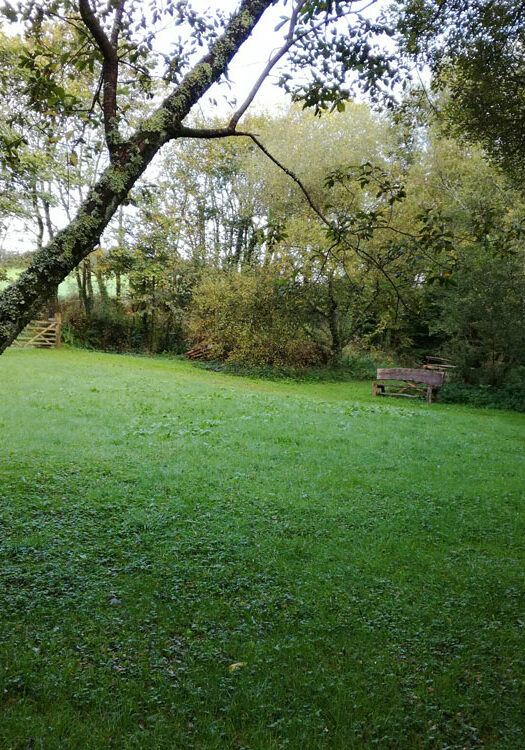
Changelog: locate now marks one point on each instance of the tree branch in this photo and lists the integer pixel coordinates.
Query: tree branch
(110, 68)
(290, 41)
(97, 32)
(340, 238)
(274, 59)
(117, 23)
(294, 177)
(208, 133)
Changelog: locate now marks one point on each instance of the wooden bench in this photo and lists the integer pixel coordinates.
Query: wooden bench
(407, 382)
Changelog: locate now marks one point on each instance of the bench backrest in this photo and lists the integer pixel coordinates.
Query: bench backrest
(429, 377)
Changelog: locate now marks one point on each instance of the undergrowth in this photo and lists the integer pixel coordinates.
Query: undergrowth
(510, 396)
(351, 368)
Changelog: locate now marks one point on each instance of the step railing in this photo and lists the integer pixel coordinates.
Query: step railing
(40, 334)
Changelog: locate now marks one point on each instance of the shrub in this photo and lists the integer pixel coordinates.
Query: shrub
(482, 318)
(116, 328)
(251, 318)
(509, 396)
(104, 329)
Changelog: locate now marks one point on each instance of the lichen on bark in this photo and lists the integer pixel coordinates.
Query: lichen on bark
(22, 299)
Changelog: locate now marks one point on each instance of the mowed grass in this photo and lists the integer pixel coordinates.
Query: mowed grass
(191, 560)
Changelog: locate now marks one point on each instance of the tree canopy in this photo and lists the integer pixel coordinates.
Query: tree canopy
(143, 96)
(476, 51)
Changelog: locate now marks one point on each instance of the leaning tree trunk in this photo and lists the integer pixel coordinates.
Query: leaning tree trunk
(22, 300)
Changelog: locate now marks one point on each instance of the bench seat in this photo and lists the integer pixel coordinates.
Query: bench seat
(408, 383)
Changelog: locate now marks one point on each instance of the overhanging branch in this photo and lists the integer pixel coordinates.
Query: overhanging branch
(341, 238)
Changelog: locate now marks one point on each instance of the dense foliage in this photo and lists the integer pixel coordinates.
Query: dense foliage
(476, 49)
(253, 318)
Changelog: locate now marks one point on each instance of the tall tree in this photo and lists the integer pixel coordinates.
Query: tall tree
(120, 36)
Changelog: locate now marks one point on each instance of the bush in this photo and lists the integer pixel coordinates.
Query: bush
(116, 329)
(250, 318)
(360, 367)
(109, 331)
(509, 396)
(482, 318)
(354, 367)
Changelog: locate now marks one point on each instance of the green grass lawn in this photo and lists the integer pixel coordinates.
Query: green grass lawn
(191, 560)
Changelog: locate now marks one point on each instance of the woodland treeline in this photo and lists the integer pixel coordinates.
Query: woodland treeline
(376, 230)
(221, 247)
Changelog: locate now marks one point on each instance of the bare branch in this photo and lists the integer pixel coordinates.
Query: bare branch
(289, 42)
(274, 59)
(341, 239)
(294, 177)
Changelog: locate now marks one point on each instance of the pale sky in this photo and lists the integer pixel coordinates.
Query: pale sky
(253, 56)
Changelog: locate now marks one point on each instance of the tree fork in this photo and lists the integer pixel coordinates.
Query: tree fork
(22, 299)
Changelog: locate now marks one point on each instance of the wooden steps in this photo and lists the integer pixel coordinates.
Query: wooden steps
(40, 334)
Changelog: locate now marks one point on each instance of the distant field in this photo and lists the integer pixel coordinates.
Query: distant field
(68, 288)
(191, 560)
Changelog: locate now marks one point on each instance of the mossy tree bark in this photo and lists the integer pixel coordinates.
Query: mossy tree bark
(22, 300)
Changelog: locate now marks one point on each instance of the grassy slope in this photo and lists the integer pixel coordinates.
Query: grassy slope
(158, 524)
(68, 288)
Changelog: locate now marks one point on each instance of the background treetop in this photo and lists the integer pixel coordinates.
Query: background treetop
(476, 50)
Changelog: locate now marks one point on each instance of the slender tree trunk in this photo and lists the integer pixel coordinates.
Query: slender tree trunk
(239, 241)
(51, 233)
(89, 283)
(335, 332)
(39, 221)
(121, 236)
(201, 228)
(22, 299)
(334, 324)
(118, 288)
(49, 223)
(80, 287)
